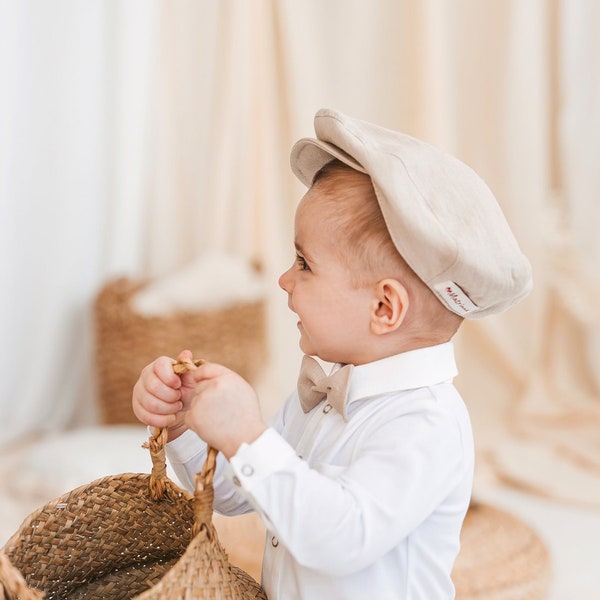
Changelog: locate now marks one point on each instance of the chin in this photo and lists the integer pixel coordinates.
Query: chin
(306, 349)
(326, 356)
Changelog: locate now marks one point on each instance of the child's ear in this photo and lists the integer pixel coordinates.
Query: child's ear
(390, 306)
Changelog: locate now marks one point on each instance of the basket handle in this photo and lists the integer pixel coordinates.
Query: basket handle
(156, 445)
(203, 489)
(203, 492)
(158, 476)
(205, 477)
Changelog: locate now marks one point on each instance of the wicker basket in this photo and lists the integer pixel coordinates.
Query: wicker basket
(125, 536)
(127, 341)
(501, 558)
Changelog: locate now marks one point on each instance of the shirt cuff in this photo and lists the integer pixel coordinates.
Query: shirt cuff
(254, 462)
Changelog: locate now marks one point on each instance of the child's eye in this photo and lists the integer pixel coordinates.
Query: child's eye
(302, 263)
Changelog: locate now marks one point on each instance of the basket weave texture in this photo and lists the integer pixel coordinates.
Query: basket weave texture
(126, 341)
(501, 558)
(125, 536)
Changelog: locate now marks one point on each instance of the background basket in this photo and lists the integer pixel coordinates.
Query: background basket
(126, 341)
(501, 558)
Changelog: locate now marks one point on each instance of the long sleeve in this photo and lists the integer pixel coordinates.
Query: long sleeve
(187, 454)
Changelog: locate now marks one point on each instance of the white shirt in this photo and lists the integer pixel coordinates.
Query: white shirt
(366, 508)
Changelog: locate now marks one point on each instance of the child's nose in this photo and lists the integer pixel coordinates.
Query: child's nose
(285, 281)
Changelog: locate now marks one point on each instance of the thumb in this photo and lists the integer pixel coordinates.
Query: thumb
(209, 371)
(185, 356)
(185, 367)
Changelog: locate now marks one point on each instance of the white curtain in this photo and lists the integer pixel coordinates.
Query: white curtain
(136, 135)
(53, 171)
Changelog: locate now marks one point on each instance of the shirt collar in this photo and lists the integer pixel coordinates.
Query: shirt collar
(423, 367)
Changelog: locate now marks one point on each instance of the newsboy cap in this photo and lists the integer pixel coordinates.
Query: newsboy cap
(442, 217)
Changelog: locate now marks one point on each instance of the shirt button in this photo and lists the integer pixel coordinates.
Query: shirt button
(274, 542)
(236, 481)
(327, 408)
(247, 470)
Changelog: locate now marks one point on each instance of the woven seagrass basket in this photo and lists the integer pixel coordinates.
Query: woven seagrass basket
(501, 558)
(126, 341)
(125, 536)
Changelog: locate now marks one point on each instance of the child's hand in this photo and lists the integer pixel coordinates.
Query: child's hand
(160, 396)
(225, 410)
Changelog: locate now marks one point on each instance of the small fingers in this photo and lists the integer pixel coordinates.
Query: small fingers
(157, 394)
(161, 407)
(156, 388)
(163, 369)
(155, 419)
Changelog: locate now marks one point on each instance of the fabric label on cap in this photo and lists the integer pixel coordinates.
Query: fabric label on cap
(455, 298)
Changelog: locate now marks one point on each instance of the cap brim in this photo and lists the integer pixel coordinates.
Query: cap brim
(309, 156)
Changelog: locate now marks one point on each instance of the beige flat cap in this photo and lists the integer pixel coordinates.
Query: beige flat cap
(442, 217)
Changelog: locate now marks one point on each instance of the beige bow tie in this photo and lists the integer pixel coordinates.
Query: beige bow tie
(314, 386)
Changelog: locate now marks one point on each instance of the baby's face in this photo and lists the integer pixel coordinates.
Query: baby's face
(333, 311)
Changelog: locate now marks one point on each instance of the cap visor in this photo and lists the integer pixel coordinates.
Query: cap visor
(309, 156)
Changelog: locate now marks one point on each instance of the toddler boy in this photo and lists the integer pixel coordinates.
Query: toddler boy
(363, 478)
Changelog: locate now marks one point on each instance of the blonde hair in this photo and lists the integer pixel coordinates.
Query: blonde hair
(365, 246)
(348, 200)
